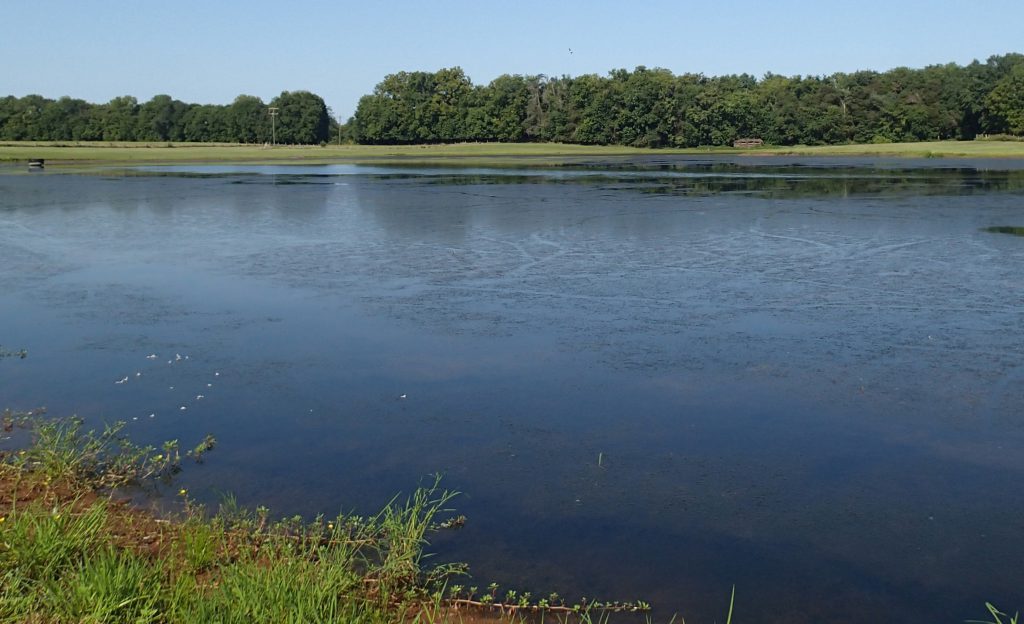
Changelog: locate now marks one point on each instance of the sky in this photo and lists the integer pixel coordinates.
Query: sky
(210, 51)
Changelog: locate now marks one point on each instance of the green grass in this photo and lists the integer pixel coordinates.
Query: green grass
(928, 149)
(64, 563)
(468, 154)
(997, 616)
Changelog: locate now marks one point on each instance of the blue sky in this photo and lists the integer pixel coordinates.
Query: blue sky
(210, 51)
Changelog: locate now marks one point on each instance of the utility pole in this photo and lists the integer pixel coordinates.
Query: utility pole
(273, 126)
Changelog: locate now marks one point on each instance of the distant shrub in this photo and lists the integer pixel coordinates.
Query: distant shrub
(999, 137)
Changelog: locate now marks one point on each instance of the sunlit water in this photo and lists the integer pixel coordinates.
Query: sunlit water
(653, 383)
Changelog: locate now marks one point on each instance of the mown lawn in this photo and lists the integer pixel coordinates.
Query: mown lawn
(496, 154)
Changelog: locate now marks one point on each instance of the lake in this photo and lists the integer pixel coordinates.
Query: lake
(650, 378)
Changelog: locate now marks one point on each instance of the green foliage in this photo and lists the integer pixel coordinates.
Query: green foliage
(1005, 103)
(62, 450)
(654, 108)
(997, 616)
(646, 107)
(108, 586)
(302, 118)
(39, 544)
(201, 544)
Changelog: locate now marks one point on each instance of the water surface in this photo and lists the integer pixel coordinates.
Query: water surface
(803, 377)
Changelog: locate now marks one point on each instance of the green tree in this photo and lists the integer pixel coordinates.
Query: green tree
(248, 120)
(302, 118)
(1005, 103)
(506, 107)
(160, 119)
(119, 119)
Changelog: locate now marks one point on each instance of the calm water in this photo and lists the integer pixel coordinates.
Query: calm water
(803, 378)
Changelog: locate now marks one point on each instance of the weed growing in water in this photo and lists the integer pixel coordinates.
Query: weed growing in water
(997, 616)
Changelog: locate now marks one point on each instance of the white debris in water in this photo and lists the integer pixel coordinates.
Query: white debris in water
(216, 374)
(403, 396)
(209, 385)
(177, 357)
(183, 408)
(151, 356)
(200, 397)
(121, 381)
(138, 374)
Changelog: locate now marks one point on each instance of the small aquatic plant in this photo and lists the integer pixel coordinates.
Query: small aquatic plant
(997, 616)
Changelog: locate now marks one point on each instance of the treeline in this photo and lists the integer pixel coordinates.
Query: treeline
(644, 108)
(654, 108)
(302, 118)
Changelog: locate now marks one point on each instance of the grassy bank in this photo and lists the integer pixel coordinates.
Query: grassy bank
(71, 552)
(494, 154)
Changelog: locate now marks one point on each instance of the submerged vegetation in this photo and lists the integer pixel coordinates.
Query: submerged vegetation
(1006, 229)
(70, 551)
(20, 353)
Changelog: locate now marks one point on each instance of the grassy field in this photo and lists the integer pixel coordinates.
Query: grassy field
(493, 154)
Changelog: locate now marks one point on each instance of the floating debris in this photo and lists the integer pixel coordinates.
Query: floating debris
(403, 396)
(183, 408)
(216, 374)
(152, 415)
(209, 385)
(453, 523)
(199, 397)
(151, 356)
(121, 381)
(177, 357)
(138, 374)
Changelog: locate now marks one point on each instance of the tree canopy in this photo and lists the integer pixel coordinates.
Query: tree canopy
(303, 119)
(655, 108)
(645, 107)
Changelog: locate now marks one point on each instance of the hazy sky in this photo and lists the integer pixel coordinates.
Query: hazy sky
(209, 51)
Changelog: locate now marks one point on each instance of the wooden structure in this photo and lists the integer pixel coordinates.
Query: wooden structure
(747, 143)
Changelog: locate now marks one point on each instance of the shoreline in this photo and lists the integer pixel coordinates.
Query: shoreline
(74, 545)
(78, 154)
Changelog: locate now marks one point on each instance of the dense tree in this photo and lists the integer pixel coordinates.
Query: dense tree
(648, 107)
(653, 107)
(248, 120)
(302, 118)
(1005, 103)
(161, 119)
